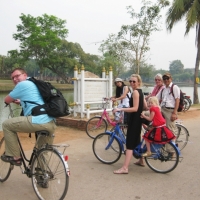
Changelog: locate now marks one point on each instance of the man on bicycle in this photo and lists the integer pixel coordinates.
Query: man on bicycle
(24, 91)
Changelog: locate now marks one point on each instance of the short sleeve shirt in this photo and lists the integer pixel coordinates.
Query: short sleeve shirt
(158, 119)
(28, 91)
(168, 100)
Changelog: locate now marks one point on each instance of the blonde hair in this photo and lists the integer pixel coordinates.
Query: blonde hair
(139, 79)
(154, 101)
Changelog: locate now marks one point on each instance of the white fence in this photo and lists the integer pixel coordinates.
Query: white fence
(88, 92)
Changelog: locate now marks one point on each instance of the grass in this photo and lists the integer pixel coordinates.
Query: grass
(7, 85)
(195, 106)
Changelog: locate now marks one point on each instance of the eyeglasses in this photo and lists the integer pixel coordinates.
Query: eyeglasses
(16, 76)
(165, 78)
(157, 80)
(132, 81)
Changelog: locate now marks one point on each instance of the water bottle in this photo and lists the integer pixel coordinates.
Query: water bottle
(117, 115)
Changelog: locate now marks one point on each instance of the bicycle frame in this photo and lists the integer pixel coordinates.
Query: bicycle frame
(106, 116)
(140, 149)
(24, 158)
(120, 137)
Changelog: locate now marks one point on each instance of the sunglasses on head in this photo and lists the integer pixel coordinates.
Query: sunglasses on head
(166, 78)
(132, 81)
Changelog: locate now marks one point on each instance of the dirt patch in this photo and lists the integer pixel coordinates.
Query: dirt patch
(64, 134)
(189, 115)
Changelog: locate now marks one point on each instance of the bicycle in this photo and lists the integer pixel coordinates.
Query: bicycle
(182, 135)
(187, 102)
(99, 124)
(47, 168)
(109, 146)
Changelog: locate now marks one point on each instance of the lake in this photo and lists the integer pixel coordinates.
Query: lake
(187, 90)
(4, 112)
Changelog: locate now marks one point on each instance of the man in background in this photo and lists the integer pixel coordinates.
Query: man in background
(169, 101)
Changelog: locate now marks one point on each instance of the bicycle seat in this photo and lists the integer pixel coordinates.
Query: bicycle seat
(43, 132)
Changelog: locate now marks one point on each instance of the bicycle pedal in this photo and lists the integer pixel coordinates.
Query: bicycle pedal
(180, 159)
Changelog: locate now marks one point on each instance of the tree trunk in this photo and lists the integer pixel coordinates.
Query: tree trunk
(196, 73)
(196, 98)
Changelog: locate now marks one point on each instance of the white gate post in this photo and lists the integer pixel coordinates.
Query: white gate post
(79, 91)
(75, 89)
(110, 84)
(103, 73)
(82, 90)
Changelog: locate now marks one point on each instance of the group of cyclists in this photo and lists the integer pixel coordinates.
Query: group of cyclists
(160, 107)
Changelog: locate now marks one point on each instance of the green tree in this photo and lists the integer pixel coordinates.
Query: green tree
(68, 55)
(110, 60)
(2, 65)
(176, 67)
(113, 55)
(132, 42)
(185, 77)
(40, 37)
(190, 11)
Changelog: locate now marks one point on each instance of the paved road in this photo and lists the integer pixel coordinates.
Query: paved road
(92, 180)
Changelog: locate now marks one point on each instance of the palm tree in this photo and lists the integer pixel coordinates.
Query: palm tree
(190, 10)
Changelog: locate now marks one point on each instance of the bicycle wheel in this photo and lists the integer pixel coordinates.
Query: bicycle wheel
(95, 126)
(5, 167)
(186, 104)
(164, 159)
(182, 135)
(50, 178)
(106, 149)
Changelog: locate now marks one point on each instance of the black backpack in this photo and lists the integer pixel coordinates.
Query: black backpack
(181, 103)
(55, 104)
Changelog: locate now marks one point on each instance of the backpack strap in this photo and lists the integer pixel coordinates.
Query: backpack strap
(128, 92)
(161, 95)
(37, 109)
(172, 91)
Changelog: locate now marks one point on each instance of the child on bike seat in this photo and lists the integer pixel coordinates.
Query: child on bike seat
(158, 133)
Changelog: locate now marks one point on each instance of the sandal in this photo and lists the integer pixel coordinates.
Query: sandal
(139, 164)
(147, 154)
(11, 160)
(121, 171)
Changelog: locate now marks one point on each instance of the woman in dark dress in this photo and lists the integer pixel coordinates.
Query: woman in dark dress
(137, 104)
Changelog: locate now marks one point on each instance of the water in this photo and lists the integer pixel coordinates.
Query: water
(188, 90)
(4, 112)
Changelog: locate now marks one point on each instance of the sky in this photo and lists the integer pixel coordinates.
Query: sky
(91, 21)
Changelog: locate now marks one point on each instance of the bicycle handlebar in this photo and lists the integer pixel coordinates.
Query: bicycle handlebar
(106, 99)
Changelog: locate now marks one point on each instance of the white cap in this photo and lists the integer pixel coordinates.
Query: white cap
(118, 80)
